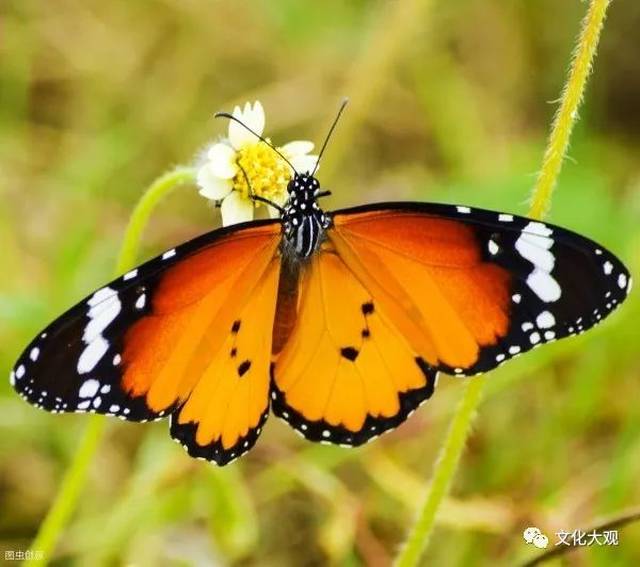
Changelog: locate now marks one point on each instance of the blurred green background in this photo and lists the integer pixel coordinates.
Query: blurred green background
(451, 101)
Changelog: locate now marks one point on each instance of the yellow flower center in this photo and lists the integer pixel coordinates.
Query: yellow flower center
(267, 172)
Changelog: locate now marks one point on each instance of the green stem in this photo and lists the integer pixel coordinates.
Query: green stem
(76, 474)
(558, 144)
(162, 186)
(567, 114)
(444, 470)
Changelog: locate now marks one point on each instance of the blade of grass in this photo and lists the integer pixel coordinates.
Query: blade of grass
(74, 478)
(447, 462)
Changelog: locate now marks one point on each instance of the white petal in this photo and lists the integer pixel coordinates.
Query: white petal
(236, 209)
(212, 186)
(304, 164)
(256, 119)
(253, 117)
(297, 148)
(222, 161)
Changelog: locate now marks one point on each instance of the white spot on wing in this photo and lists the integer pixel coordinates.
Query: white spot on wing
(465, 210)
(89, 388)
(101, 295)
(104, 307)
(534, 244)
(545, 320)
(608, 267)
(130, 275)
(20, 371)
(544, 285)
(622, 281)
(505, 218)
(101, 313)
(141, 301)
(169, 254)
(92, 354)
(35, 352)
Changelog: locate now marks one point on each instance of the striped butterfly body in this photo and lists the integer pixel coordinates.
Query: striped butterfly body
(303, 221)
(338, 322)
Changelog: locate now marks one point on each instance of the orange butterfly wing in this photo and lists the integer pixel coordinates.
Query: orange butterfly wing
(346, 373)
(187, 334)
(399, 291)
(482, 286)
(205, 348)
(434, 272)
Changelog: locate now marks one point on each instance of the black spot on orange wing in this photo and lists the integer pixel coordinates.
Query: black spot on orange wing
(243, 368)
(350, 353)
(367, 308)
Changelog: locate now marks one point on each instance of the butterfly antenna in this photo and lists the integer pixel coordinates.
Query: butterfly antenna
(255, 197)
(344, 103)
(232, 117)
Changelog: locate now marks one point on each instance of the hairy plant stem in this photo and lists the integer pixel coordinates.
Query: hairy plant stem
(75, 476)
(460, 427)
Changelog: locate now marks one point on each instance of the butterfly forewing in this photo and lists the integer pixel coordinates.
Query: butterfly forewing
(486, 286)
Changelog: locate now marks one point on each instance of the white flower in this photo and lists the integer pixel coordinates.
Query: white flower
(221, 177)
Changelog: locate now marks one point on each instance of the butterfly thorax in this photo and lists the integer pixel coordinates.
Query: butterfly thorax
(303, 221)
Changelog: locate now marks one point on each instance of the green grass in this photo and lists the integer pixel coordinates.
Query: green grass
(97, 99)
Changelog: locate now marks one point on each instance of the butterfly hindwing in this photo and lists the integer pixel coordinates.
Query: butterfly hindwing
(346, 374)
(229, 402)
(143, 346)
(484, 286)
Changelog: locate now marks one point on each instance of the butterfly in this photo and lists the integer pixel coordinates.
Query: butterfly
(338, 322)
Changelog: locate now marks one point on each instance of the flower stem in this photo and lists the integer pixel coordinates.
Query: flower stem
(75, 475)
(447, 462)
(444, 470)
(567, 114)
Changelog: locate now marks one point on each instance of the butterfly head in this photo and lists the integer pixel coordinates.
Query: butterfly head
(303, 183)
(304, 222)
